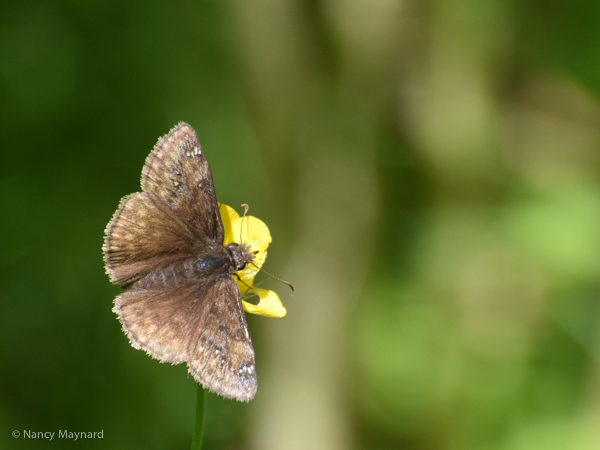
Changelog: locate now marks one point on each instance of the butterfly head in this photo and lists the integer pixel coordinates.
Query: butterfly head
(240, 255)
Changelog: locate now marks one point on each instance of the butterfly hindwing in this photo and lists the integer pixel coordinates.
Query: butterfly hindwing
(202, 324)
(141, 236)
(158, 320)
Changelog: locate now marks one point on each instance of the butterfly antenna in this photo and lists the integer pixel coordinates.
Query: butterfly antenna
(290, 285)
(246, 208)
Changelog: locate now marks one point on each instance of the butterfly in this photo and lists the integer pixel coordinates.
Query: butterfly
(164, 245)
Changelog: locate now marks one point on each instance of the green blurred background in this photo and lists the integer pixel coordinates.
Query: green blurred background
(429, 171)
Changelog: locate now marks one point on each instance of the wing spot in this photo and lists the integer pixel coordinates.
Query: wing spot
(246, 369)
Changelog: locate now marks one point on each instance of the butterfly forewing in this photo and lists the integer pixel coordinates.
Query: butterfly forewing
(177, 173)
(220, 352)
(165, 245)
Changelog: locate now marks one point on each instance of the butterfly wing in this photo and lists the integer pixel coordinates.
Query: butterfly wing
(221, 356)
(142, 236)
(175, 217)
(158, 320)
(202, 324)
(177, 173)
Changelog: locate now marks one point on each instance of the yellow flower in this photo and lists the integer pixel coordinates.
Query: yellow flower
(256, 235)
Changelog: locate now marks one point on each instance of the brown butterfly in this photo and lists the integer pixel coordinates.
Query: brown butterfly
(164, 245)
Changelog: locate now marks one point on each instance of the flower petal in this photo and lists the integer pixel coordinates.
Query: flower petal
(255, 234)
(269, 304)
(228, 217)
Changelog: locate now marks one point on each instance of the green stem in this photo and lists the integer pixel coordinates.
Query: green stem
(199, 427)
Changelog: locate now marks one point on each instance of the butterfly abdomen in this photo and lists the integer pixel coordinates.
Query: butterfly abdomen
(182, 272)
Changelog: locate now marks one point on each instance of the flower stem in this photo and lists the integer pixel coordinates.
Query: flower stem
(199, 427)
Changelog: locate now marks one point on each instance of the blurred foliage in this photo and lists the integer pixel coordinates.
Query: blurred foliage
(430, 175)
